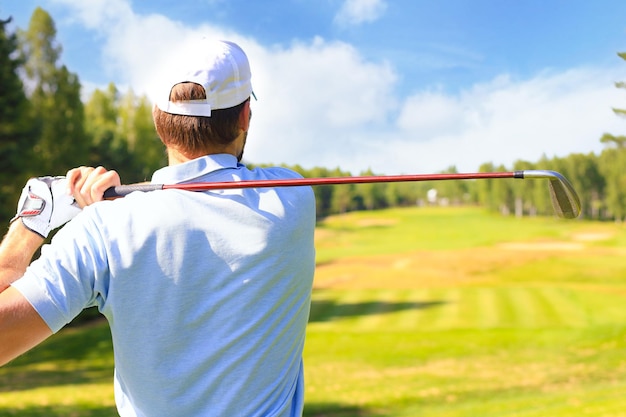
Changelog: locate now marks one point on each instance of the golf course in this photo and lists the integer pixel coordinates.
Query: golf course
(421, 311)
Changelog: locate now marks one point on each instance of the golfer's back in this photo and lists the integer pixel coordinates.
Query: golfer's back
(212, 304)
(207, 295)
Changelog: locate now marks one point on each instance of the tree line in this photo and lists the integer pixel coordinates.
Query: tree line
(47, 127)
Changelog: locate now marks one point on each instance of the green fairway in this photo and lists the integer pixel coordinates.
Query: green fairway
(419, 312)
(459, 313)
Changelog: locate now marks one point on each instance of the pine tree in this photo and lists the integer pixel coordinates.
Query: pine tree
(16, 134)
(57, 109)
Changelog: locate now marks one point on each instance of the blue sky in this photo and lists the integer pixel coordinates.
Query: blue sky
(403, 86)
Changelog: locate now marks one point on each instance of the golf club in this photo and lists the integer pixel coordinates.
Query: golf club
(564, 198)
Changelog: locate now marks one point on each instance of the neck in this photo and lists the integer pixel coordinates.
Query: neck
(235, 148)
(176, 157)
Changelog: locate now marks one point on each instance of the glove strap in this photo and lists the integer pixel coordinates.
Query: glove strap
(33, 206)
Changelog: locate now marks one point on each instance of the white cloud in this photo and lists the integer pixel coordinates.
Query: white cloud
(99, 15)
(322, 103)
(505, 120)
(312, 97)
(434, 113)
(137, 48)
(356, 12)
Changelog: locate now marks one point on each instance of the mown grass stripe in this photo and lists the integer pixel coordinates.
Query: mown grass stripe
(484, 308)
(426, 306)
(376, 309)
(489, 308)
(529, 312)
(447, 316)
(566, 312)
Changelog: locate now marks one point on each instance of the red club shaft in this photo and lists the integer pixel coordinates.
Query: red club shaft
(199, 186)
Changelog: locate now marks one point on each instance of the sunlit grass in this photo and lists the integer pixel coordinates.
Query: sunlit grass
(469, 314)
(71, 374)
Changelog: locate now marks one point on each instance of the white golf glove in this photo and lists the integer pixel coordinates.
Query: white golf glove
(45, 205)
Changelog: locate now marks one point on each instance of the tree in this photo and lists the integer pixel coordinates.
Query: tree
(370, 195)
(323, 193)
(342, 198)
(137, 129)
(612, 166)
(16, 133)
(453, 192)
(122, 134)
(583, 171)
(612, 163)
(484, 188)
(618, 141)
(541, 194)
(63, 136)
(101, 115)
(110, 123)
(402, 194)
(523, 191)
(54, 92)
(502, 193)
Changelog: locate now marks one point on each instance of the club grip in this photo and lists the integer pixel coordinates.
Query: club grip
(124, 190)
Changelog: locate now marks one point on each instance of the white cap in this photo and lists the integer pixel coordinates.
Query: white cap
(222, 68)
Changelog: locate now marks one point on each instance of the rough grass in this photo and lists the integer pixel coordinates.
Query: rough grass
(419, 312)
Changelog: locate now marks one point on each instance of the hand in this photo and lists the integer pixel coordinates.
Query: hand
(44, 205)
(88, 185)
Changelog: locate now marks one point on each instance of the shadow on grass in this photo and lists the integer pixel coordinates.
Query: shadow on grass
(336, 410)
(328, 310)
(59, 411)
(72, 356)
(310, 410)
(72, 343)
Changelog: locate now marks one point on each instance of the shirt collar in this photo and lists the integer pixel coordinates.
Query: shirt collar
(191, 170)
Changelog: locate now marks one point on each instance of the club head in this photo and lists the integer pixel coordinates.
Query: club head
(564, 198)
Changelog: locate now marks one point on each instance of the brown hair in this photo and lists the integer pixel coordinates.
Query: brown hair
(196, 135)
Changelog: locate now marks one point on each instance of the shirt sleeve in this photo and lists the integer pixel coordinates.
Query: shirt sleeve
(68, 275)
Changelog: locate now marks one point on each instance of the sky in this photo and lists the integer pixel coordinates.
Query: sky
(391, 86)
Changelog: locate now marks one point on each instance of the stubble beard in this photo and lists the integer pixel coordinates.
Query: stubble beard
(245, 138)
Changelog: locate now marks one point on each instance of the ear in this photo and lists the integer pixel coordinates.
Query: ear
(244, 116)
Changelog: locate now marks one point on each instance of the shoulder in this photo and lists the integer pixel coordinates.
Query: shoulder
(275, 173)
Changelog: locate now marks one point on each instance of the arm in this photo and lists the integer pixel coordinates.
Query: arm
(16, 251)
(21, 327)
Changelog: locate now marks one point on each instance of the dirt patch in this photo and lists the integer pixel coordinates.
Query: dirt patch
(324, 234)
(420, 269)
(376, 222)
(577, 243)
(593, 237)
(543, 246)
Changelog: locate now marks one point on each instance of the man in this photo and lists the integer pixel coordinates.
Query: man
(207, 293)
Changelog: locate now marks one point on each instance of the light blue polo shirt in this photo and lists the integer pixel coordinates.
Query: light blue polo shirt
(207, 293)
